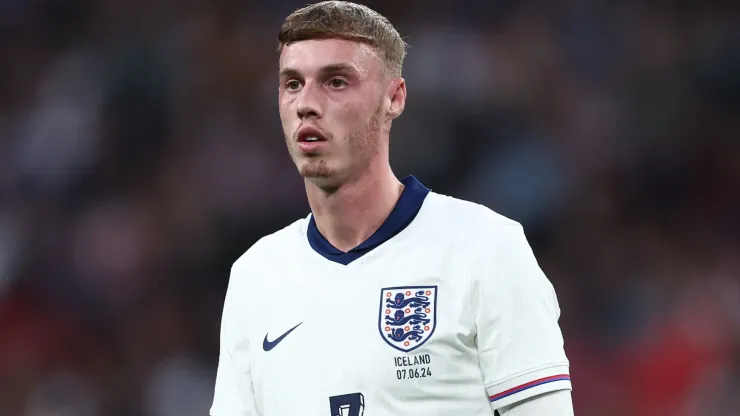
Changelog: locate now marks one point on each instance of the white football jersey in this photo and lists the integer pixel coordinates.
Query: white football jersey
(443, 311)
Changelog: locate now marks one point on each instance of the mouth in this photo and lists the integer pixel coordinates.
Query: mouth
(310, 140)
(310, 134)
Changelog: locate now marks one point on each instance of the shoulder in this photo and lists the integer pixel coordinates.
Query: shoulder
(271, 248)
(496, 246)
(469, 221)
(487, 242)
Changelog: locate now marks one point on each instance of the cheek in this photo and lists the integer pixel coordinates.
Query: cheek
(287, 115)
(350, 116)
(285, 102)
(283, 107)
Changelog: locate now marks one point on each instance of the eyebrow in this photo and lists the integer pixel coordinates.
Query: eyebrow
(325, 70)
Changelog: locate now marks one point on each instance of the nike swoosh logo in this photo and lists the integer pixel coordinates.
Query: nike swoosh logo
(268, 345)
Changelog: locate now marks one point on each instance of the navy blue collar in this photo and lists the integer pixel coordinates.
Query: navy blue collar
(403, 213)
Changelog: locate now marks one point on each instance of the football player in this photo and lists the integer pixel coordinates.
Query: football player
(388, 299)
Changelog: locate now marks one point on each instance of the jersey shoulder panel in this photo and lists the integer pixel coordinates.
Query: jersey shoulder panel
(466, 219)
(267, 250)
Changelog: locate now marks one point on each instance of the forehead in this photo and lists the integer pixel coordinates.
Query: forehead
(309, 56)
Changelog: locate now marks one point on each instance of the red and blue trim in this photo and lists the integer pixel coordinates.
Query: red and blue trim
(535, 383)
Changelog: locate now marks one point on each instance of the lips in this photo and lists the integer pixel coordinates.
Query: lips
(311, 141)
(309, 134)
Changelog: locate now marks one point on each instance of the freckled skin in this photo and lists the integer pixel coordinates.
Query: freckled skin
(352, 104)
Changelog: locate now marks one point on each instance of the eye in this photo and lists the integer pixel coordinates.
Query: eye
(337, 83)
(292, 85)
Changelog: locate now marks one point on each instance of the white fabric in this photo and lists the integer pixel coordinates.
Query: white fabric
(519, 341)
(492, 323)
(554, 403)
(234, 392)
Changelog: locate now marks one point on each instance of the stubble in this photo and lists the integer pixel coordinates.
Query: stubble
(363, 143)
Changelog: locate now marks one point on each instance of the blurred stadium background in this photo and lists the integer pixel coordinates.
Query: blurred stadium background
(141, 153)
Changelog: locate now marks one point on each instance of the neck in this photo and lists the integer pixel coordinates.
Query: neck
(350, 214)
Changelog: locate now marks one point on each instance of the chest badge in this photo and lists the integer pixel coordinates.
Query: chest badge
(407, 316)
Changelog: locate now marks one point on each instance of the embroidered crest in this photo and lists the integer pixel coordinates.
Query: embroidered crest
(407, 316)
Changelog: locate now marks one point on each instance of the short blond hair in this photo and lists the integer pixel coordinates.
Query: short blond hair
(349, 21)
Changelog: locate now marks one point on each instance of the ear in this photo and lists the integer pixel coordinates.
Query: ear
(396, 96)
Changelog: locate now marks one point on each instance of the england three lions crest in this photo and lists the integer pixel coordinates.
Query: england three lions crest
(407, 316)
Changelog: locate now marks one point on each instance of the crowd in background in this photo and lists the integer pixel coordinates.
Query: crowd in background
(141, 153)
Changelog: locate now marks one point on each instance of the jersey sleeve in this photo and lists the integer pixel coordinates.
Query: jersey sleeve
(554, 403)
(520, 345)
(233, 394)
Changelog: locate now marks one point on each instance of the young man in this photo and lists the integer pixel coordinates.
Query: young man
(389, 299)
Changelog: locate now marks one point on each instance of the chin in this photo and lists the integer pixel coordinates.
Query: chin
(315, 168)
(319, 173)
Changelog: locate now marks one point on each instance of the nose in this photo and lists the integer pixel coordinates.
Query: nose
(309, 103)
